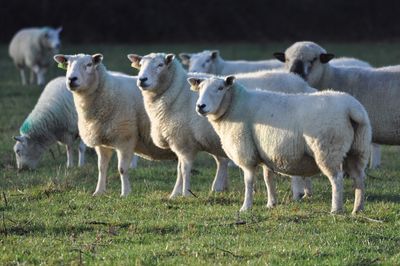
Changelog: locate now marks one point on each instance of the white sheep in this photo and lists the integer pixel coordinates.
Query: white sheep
(161, 77)
(52, 119)
(377, 89)
(111, 116)
(33, 49)
(294, 134)
(211, 62)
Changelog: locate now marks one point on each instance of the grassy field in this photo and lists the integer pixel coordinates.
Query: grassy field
(48, 216)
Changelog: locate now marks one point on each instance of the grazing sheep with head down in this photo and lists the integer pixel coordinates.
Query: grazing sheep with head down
(111, 116)
(377, 89)
(33, 49)
(295, 134)
(52, 119)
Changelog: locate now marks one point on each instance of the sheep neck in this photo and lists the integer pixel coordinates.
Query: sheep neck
(91, 102)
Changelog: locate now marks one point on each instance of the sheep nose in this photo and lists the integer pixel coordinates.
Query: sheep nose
(142, 79)
(201, 106)
(72, 79)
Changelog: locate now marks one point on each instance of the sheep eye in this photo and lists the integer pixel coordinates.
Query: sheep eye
(160, 65)
(220, 88)
(208, 60)
(89, 65)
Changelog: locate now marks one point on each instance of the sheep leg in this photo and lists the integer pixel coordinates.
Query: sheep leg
(124, 160)
(307, 187)
(337, 191)
(103, 159)
(375, 159)
(81, 154)
(39, 74)
(31, 77)
(298, 187)
(220, 182)
(354, 166)
(70, 155)
(186, 168)
(134, 161)
(178, 184)
(301, 187)
(271, 190)
(248, 193)
(23, 77)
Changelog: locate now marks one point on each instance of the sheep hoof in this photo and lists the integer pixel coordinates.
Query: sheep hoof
(244, 208)
(173, 195)
(98, 193)
(337, 211)
(271, 205)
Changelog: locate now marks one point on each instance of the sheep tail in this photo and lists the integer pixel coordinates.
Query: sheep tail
(362, 131)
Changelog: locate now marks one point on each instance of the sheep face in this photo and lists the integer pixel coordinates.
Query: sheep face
(211, 93)
(27, 153)
(154, 71)
(306, 59)
(82, 74)
(50, 38)
(204, 62)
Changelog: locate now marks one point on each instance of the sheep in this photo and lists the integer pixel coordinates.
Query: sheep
(377, 89)
(111, 116)
(293, 134)
(161, 77)
(33, 48)
(52, 119)
(211, 62)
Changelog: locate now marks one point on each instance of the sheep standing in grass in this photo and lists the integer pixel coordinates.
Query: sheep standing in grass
(170, 105)
(33, 49)
(211, 62)
(377, 89)
(111, 116)
(52, 119)
(295, 134)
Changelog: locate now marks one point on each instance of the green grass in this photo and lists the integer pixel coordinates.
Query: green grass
(48, 216)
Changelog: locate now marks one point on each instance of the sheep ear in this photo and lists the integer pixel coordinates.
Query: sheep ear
(97, 58)
(59, 29)
(18, 138)
(185, 58)
(194, 83)
(229, 80)
(325, 58)
(169, 58)
(135, 59)
(60, 58)
(214, 54)
(280, 56)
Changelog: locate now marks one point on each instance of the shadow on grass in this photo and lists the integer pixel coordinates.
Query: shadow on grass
(385, 198)
(41, 229)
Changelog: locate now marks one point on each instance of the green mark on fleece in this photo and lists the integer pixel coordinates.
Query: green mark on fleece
(26, 126)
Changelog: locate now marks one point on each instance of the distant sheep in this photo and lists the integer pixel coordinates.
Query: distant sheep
(211, 62)
(377, 89)
(295, 134)
(111, 116)
(53, 119)
(33, 49)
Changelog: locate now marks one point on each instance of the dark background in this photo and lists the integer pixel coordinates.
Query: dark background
(205, 21)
